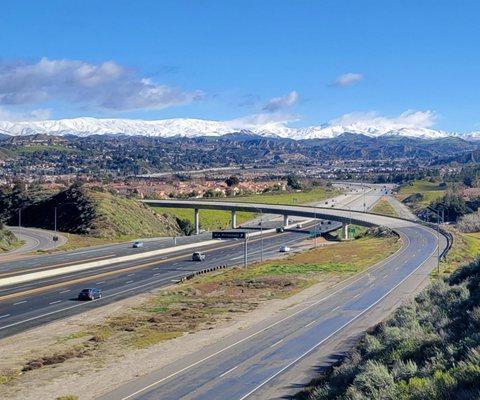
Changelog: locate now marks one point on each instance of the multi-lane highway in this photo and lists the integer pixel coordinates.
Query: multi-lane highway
(29, 304)
(256, 363)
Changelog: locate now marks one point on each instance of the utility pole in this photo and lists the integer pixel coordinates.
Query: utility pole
(55, 218)
(19, 217)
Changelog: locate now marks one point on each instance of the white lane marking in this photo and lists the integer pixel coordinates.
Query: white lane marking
(55, 302)
(4, 315)
(158, 273)
(335, 309)
(358, 294)
(310, 323)
(127, 282)
(99, 283)
(276, 343)
(65, 291)
(230, 370)
(154, 269)
(19, 302)
(384, 276)
(130, 274)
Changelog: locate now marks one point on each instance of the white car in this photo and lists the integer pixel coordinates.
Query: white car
(284, 249)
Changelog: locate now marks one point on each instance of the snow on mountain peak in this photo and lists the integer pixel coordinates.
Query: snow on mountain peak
(189, 127)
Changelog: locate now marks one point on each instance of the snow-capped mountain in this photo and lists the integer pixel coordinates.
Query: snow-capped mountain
(186, 127)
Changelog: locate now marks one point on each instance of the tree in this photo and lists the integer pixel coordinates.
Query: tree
(185, 226)
(232, 181)
(293, 182)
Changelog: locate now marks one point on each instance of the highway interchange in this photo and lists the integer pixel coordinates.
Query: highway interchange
(249, 364)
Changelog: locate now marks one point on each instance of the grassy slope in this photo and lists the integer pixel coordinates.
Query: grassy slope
(385, 208)
(465, 249)
(8, 240)
(121, 218)
(210, 219)
(429, 190)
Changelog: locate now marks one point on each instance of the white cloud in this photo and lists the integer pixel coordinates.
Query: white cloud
(278, 103)
(101, 86)
(347, 79)
(371, 119)
(33, 115)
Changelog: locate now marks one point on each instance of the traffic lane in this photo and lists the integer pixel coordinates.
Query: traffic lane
(135, 264)
(26, 312)
(230, 255)
(232, 376)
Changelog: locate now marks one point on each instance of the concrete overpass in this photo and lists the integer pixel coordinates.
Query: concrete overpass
(345, 216)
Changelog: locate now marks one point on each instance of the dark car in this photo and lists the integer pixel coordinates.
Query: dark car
(90, 294)
(198, 256)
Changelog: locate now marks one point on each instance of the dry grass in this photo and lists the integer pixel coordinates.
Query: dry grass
(465, 249)
(383, 207)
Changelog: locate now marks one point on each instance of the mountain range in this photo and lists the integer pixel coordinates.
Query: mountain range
(191, 128)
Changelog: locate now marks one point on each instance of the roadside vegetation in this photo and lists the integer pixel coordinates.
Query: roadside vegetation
(429, 349)
(8, 241)
(201, 303)
(383, 207)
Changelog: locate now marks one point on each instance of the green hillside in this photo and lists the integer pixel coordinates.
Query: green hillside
(97, 214)
(121, 217)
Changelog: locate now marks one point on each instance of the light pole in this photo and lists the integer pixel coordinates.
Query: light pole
(261, 234)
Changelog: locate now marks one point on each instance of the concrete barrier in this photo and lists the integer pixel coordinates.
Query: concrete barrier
(12, 280)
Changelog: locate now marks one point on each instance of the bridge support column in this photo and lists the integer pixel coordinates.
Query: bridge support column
(197, 222)
(234, 219)
(345, 231)
(286, 220)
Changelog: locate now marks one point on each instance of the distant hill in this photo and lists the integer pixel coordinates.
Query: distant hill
(133, 155)
(98, 214)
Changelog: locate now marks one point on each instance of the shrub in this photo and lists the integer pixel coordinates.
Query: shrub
(375, 381)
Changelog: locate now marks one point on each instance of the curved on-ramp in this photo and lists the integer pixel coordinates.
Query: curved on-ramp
(258, 363)
(35, 240)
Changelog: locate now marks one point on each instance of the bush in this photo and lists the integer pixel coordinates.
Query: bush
(469, 223)
(185, 226)
(429, 349)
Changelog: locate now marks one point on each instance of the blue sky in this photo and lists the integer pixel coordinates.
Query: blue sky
(307, 62)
